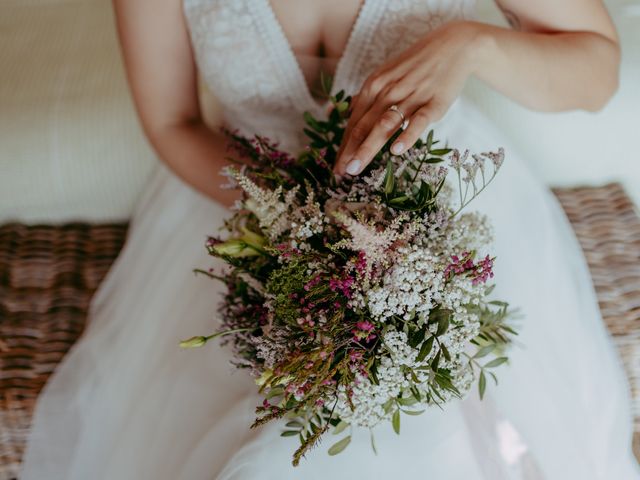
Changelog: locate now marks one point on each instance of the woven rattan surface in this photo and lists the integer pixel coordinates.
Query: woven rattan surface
(47, 278)
(48, 275)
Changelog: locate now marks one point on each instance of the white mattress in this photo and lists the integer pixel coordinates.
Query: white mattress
(71, 147)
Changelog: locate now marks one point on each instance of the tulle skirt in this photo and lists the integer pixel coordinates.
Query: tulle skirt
(128, 403)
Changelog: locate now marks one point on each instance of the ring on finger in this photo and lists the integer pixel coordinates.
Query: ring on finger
(403, 119)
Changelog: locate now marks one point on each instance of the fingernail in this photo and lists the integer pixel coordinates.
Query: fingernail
(353, 168)
(397, 148)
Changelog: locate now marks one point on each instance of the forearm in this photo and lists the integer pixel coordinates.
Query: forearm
(196, 154)
(547, 71)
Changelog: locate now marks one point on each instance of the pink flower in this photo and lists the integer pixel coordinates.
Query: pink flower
(361, 263)
(479, 272)
(363, 331)
(342, 285)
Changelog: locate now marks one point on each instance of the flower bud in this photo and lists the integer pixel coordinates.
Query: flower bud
(236, 247)
(193, 342)
(252, 238)
(264, 378)
(249, 245)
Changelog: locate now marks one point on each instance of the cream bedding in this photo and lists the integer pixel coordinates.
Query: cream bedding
(71, 147)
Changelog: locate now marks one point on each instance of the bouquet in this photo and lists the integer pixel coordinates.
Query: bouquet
(358, 301)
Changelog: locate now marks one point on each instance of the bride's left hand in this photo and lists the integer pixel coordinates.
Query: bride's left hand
(422, 82)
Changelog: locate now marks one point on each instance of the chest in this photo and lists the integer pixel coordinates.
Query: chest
(250, 53)
(317, 28)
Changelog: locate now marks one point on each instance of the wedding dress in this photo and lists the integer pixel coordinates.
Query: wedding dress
(127, 403)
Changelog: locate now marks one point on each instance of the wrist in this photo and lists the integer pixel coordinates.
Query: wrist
(480, 45)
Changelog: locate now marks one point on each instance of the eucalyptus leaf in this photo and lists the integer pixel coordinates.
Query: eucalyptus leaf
(339, 446)
(415, 413)
(496, 362)
(395, 421)
(484, 351)
(340, 427)
(482, 384)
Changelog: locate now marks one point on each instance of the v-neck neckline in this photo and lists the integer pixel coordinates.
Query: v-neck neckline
(289, 65)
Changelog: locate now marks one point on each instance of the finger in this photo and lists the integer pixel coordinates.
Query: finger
(418, 124)
(383, 129)
(357, 135)
(360, 130)
(364, 100)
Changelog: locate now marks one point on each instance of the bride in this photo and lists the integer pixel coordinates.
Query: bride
(127, 403)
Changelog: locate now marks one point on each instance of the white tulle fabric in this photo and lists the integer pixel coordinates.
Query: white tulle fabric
(127, 403)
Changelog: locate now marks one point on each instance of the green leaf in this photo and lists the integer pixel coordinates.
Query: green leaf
(294, 424)
(398, 200)
(415, 413)
(434, 160)
(312, 122)
(389, 179)
(436, 361)
(338, 447)
(496, 362)
(415, 391)
(373, 372)
(373, 443)
(440, 151)
(445, 352)
(443, 322)
(342, 107)
(395, 421)
(482, 384)
(484, 351)
(425, 349)
(289, 433)
(326, 82)
(340, 427)
(407, 402)
(429, 140)
(274, 392)
(498, 303)
(314, 136)
(417, 337)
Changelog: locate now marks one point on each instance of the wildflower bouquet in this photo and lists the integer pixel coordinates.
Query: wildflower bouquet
(355, 302)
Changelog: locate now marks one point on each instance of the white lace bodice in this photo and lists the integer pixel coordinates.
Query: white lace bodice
(247, 62)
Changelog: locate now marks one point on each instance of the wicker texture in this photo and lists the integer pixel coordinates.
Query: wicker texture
(607, 225)
(48, 275)
(47, 278)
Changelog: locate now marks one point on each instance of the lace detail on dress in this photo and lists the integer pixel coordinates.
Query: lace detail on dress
(246, 61)
(403, 23)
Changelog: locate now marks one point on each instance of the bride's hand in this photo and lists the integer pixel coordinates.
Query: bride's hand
(422, 82)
